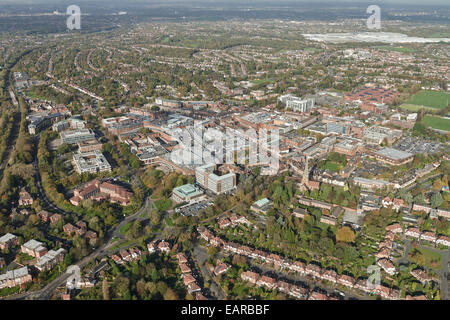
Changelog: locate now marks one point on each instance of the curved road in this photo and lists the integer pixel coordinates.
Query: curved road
(47, 292)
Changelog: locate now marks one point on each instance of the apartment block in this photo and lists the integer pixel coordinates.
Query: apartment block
(209, 178)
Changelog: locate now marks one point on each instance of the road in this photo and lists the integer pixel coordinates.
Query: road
(200, 255)
(444, 270)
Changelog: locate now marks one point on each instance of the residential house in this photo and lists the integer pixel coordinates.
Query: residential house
(346, 280)
(421, 275)
(250, 276)
(221, 268)
(413, 232)
(117, 259)
(314, 270)
(284, 287)
(151, 246)
(184, 268)
(187, 279)
(298, 266)
(383, 253)
(328, 220)
(54, 218)
(428, 236)
(181, 258)
(387, 266)
(266, 282)
(443, 240)
(25, 199)
(193, 287)
(395, 228)
(44, 215)
(330, 275)
(223, 223)
(315, 295)
(164, 246)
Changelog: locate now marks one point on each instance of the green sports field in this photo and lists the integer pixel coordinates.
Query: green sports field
(437, 123)
(397, 49)
(431, 99)
(415, 108)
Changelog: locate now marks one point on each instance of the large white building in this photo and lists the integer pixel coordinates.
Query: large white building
(207, 178)
(296, 104)
(91, 162)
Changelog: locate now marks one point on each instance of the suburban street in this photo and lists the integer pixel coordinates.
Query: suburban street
(200, 255)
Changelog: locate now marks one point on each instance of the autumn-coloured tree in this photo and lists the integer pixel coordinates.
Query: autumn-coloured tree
(345, 234)
(105, 289)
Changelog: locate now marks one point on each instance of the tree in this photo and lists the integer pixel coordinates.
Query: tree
(105, 289)
(436, 200)
(420, 199)
(345, 234)
(170, 295)
(212, 250)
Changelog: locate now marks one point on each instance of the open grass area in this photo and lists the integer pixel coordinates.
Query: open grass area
(431, 259)
(432, 99)
(440, 35)
(125, 228)
(437, 123)
(122, 244)
(397, 49)
(163, 204)
(330, 165)
(415, 108)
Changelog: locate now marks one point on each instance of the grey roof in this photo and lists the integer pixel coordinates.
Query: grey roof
(7, 237)
(394, 153)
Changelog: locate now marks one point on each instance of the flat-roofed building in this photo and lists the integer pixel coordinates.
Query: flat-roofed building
(50, 259)
(34, 248)
(15, 277)
(91, 162)
(8, 241)
(186, 193)
(261, 206)
(348, 147)
(393, 156)
(89, 145)
(376, 135)
(210, 179)
(296, 104)
(168, 103)
(73, 123)
(75, 136)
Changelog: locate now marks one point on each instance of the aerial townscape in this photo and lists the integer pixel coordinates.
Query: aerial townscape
(224, 151)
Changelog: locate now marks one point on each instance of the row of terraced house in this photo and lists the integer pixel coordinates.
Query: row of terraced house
(188, 279)
(186, 272)
(297, 266)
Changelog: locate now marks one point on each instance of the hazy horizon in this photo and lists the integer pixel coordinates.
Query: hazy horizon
(240, 2)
